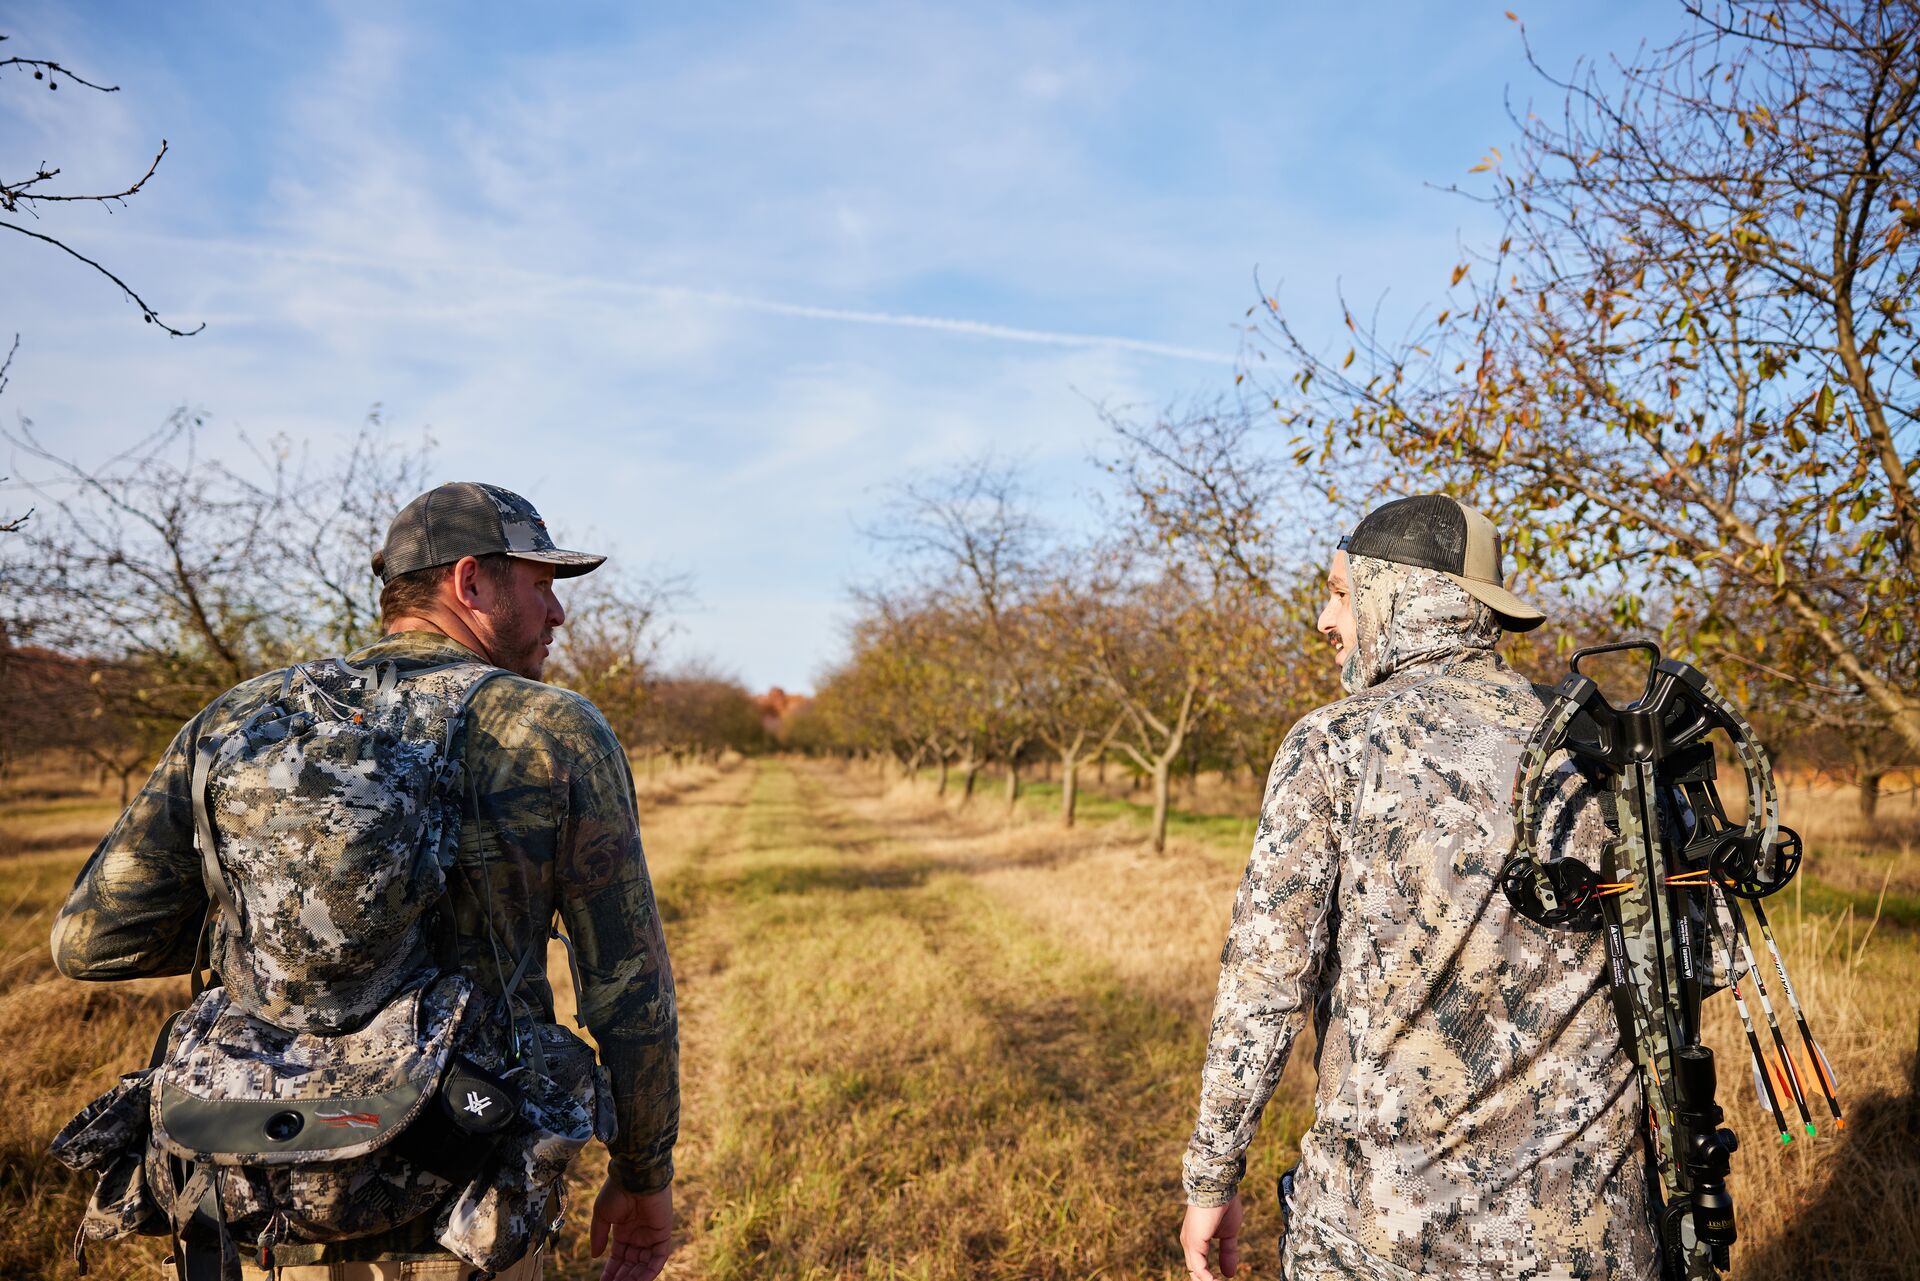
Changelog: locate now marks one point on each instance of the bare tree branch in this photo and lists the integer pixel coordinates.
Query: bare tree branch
(22, 196)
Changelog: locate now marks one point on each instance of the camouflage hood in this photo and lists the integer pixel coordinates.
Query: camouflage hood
(1405, 615)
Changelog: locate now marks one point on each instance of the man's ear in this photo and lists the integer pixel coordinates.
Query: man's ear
(465, 581)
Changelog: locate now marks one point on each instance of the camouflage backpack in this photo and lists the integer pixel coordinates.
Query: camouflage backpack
(344, 1078)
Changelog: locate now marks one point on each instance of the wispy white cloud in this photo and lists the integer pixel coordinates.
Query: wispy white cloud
(413, 267)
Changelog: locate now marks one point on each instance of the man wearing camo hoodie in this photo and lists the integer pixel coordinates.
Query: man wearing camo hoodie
(1475, 1114)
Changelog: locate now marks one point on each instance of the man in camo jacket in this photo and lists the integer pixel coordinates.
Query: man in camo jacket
(1475, 1114)
(468, 573)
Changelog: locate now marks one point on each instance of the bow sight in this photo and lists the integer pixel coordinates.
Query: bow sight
(1675, 870)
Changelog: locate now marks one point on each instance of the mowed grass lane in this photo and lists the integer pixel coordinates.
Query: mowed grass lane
(955, 1042)
(892, 1071)
(924, 1041)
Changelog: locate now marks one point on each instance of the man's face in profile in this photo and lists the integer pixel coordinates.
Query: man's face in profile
(1336, 616)
(525, 616)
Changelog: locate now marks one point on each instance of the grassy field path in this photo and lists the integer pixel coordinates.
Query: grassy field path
(894, 1069)
(924, 1039)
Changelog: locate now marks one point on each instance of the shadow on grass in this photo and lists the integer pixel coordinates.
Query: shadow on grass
(690, 892)
(772, 879)
(1865, 1221)
(13, 844)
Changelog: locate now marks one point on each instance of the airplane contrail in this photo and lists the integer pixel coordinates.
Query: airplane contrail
(718, 298)
(944, 324)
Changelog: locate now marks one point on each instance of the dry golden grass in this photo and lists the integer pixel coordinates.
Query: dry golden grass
(67, 1042)
(1816, 1208)
(927, 1041)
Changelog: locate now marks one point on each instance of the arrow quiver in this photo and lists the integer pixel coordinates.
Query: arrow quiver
(1674, 874)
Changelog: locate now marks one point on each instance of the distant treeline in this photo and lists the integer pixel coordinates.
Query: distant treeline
(136, 591)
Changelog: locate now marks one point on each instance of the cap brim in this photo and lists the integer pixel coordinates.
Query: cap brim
(565, 564)
(1515, 615)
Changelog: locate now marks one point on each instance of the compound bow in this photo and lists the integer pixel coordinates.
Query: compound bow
(1674, 869)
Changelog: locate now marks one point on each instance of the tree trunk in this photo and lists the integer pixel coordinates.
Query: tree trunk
(972, 772)
(943, 777)
(1069, 791)
(1162, 782)
(1870, 792)
(1013, 785)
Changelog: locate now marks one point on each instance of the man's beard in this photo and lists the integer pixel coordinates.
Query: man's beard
(519, 644)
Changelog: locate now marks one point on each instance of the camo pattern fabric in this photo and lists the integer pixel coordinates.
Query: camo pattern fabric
(1642, 948)
(519, 522)
(1475, 1115)
(329, 816)
(219, 1053)
(526, 534)
(557, 832)
(494, 1218)
(492, 1221)
(109, 1138)
(326, 1201)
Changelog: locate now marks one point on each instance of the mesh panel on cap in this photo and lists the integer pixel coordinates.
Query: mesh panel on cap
(1428, 530)
(407, 546)
(439, 527)
(465, 522)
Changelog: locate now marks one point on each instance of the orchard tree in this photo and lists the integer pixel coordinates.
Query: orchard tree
(1167, 644)
(965, 542)
(183, 575)
(1206, 492)
(1688, 367)
(1067, 702)
(610, 645)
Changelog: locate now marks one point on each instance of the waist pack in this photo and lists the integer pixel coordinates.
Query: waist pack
(339, 1082)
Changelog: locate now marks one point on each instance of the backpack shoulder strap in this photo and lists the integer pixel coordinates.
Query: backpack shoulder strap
(206, 753)
(457, 718)
(203, 759)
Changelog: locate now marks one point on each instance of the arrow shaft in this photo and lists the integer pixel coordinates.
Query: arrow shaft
(1766, 1004)
(1760, 1074)
(1821, 1069)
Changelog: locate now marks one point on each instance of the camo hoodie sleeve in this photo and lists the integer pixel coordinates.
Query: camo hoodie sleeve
(627, 999)
(1283, 920)
(136, 907)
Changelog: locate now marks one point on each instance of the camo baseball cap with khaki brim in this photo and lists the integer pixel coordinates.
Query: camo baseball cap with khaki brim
(1433, 531)
(466, 518)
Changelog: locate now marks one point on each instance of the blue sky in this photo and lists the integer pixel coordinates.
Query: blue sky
(704, 280)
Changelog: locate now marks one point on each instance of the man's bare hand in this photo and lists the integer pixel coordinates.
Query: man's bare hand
(641, 1227)
(1205, 1225)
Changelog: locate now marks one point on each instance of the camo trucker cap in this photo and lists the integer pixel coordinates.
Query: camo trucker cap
(1433, 531)
(466, 518)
